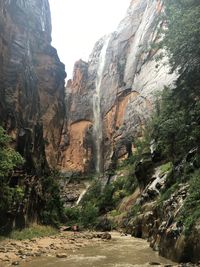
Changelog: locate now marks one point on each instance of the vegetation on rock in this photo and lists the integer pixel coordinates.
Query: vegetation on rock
(190, 212)
(14, 193)
(171, 138)
(176, 124)
(52, 212)
(182, 38)
(9, 160)
(102, 199)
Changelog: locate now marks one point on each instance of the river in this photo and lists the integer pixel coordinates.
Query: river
(119, 252)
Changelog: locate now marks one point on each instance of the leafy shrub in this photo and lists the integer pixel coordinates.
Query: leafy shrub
(100, 197)
(72, 215)
(167, 167)
(118, 195)
(88, 216)
(97, 201)
(190, 212)
(33, 231)
(167, 194)
(114, 213)
(9, 160)
(106, 201)
(53, 211)
(93, 193)
(135, 209)
(85, 216)
(176, 124)
(182, 35)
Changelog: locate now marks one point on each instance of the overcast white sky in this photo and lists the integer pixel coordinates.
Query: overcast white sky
(78, 24)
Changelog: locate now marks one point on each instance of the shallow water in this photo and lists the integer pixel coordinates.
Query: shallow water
(119, 252)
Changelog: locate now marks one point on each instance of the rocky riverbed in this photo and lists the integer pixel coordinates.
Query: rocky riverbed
(66, 244)
(13, 252)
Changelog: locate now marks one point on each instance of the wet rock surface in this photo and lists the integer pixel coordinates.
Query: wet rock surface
(159, 223)
(72, 190)
(105, 236)
(32, 107)
(31, 81)
(130, 79)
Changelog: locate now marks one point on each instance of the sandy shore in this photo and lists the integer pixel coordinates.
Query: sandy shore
(12, 252)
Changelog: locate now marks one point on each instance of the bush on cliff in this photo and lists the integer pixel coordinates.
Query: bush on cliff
(190, 212)
(85, 216)
(96, 202)
(176, 124)
(9, 160)
(52, 212)
(100, 197)
(49, 205)
(182, 37)
(176, 127)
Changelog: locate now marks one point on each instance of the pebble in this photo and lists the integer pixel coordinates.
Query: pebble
(61, 255)
(38, 254)
(106, 236)
(23, 257)
(15, 263)
(4, 250)
(33, 240)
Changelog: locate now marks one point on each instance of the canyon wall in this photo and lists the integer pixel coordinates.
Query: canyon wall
(31, 82)
(130, 79)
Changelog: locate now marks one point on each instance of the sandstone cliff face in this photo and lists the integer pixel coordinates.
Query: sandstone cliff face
(76, 144)
(31, 81)
(130, 78)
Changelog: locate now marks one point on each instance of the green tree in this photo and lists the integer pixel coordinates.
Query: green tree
(9, 160)
(176, 125)
(52, 212)
(182, 36)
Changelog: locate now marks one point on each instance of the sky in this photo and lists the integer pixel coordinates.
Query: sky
(78, 24)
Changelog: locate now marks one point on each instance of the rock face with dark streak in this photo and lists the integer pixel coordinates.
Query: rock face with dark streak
(131, 78)
(77, 144)
(31, 81)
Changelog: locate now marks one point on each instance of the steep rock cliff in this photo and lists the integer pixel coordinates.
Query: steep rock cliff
(130, 77)
(76, 152)
(31, 81)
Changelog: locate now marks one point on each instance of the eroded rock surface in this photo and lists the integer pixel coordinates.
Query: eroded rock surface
(159, 222)
(131, 77)
(31, 81)
(32, 108)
